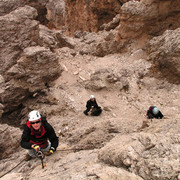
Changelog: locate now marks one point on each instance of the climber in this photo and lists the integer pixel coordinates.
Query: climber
(93, 106)
(38, 135)
(154, 112)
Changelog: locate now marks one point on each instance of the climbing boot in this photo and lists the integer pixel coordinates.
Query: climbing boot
(85, 113)
(28, 157)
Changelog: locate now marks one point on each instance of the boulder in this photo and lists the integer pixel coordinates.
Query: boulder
(150, 17)
(151, 156)
(40, 6)
(31, 74)
(166, 58)
(26, 67)
(93, 136)
(56, 13)
(81, 165)
(18, 31)
(10, 139)
(8, 5)
(100, 44)
(47, 37)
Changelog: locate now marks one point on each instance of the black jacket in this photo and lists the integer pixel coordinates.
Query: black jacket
(90, 104)
(49, 134)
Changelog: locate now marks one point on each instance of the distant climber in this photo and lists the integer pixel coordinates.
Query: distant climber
(38, 135)
(92, 106)
(154, 112)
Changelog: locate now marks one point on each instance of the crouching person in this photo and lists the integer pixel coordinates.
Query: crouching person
(92, 106)
(38, 135)
(154, 112)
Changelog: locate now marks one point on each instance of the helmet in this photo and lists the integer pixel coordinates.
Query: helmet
(92, 97)
(155, 110)
(34, 115)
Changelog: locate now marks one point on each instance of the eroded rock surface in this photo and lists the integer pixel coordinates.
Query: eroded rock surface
(31, 74)
(166, 58)
(18, 31)
(152, 156)
(10, 138)
(148, 17)
(25, 65)
(44, 69)
(89, 15)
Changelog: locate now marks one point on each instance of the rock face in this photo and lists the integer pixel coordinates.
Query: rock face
(117, 79)
(100, 44)
(166, 58)
(89, 15)
(82, 166)
(105, 55)
(18, 31)
(25, 65)
(8, 5)
(10, 138)
(151, 156)
(92, 137)
(29, 75)
(40, 6)
(148, 17)
(56, 14)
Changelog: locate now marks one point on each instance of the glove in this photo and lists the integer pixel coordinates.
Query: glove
(36, 147)
(51, 151)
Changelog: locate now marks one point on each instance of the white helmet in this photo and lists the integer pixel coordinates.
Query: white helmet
(92, 97)
(34, 115)
(155, 110)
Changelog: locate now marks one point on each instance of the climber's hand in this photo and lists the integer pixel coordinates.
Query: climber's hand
(36, 147)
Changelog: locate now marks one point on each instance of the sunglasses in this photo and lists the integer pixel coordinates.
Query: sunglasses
(36, 122)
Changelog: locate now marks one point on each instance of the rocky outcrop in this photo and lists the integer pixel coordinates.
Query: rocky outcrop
(18, 31)
(47, 38)
(40, 6)
(83, 165)
(100, 44)
(31, 56)
(166, 58)
(91, 137)
(8, 5)
(89, 15)
(56, 13)
(15, 176)
(10, 138)
(120, 79)
(151, 156)
(25, 65)
(31, 74)
(148, 17)
(112, 24)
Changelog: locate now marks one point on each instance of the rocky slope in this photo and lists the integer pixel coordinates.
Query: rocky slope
(126, 53)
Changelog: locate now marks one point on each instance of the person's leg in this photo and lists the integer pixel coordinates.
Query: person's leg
(93, 111)
(32, 152)
(96, 111)
(47, 148)
(86, 111)
(150, 116)
(99, 111)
